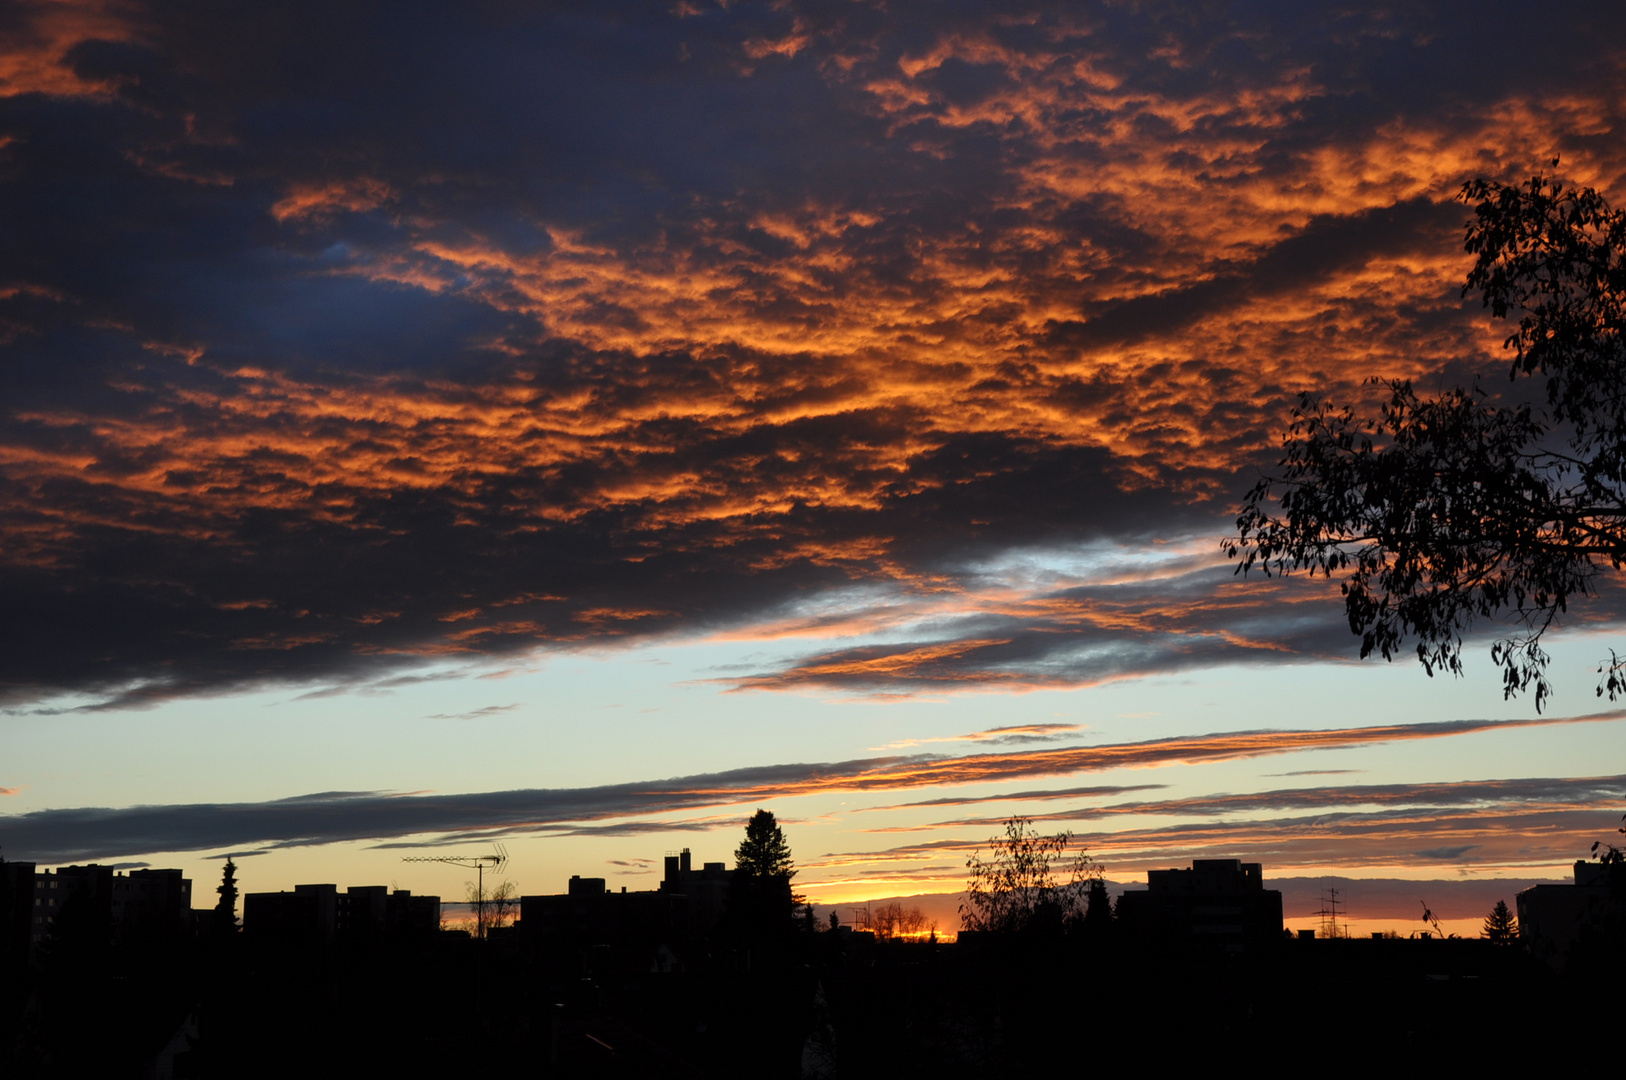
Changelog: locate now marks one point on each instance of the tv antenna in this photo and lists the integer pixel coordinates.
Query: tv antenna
(479, 864)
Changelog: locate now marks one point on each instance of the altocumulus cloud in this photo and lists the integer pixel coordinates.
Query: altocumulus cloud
(537, 326)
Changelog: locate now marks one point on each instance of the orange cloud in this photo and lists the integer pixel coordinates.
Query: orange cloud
(982, 768)
(1498, 838)
(306, 202)
(34, 51)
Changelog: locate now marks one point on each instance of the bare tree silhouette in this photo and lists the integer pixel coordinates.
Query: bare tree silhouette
(1015, 888)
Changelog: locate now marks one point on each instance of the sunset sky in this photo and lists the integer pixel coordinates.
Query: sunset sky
(576, 426)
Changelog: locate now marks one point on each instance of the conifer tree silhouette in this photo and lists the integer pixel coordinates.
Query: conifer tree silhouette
(1501, 925)
(226, 907)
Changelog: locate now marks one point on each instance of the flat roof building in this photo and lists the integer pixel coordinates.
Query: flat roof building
(147, 901)
(319, 913)
(1554, 918)
(628, 931)
(1221, 903)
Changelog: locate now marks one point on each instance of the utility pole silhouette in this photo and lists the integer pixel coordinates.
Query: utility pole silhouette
(479, 864)
(1329, 913)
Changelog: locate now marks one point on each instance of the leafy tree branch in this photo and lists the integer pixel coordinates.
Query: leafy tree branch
(1440, 513)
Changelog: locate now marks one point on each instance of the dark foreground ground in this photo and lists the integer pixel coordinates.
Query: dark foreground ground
(818, 1005)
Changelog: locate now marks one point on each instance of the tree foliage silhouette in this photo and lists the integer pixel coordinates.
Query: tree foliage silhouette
(496, 907)
(1610, 855)
(761, 903)
(1098, 907)
(896, 921)
(226, 907)
(1015, 887)
(1444, 511)
(1432, 920)
(764, 854)
(1501, 925)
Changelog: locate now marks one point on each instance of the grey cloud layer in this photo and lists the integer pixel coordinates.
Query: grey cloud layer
(1089, 633)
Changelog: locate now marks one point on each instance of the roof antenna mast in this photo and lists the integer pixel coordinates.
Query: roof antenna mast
(479, 864)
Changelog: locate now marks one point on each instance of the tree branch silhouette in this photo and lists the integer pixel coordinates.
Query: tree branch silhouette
(1443, 512)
